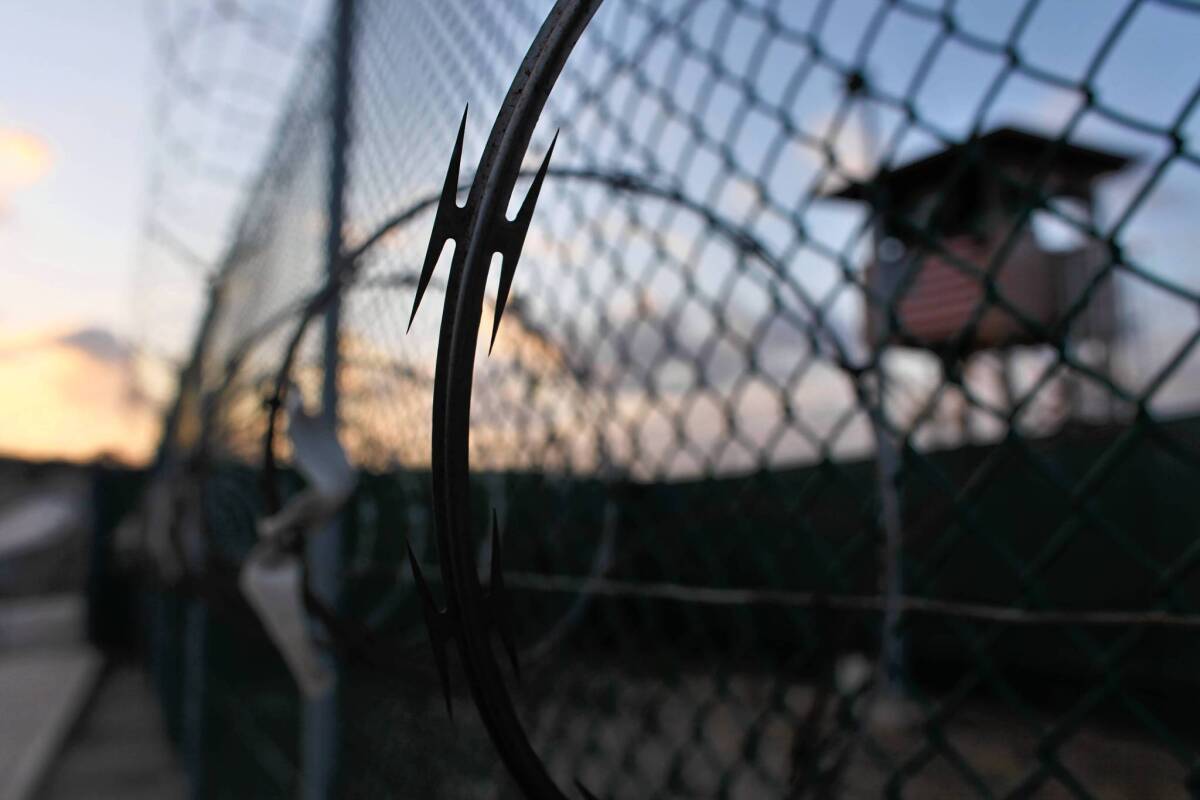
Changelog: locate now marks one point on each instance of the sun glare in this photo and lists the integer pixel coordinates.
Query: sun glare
(24, 159)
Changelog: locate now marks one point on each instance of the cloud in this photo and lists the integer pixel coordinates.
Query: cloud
(98, 343)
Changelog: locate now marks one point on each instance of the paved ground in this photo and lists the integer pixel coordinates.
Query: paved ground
(70, 726)
(119, 750)
(41, 694)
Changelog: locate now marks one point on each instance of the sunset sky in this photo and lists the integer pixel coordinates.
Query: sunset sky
(73, 135)
(92, 315)
(89, 311)
(73, 138)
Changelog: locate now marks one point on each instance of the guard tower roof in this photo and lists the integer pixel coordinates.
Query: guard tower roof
(1002, 146)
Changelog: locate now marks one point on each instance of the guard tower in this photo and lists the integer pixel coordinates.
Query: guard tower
(942, 220)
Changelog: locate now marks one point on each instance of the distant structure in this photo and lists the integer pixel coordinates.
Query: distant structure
(944, 219)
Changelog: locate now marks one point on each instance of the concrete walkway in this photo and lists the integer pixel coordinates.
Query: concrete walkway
(119, 749)
(41, 695)
(72, 726)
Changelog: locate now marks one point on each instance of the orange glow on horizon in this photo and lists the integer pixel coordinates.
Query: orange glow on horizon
(60, 401)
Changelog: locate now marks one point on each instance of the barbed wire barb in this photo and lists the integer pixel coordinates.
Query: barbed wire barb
(437, 623)
(449, 221)
(511, 236)
(501, 608)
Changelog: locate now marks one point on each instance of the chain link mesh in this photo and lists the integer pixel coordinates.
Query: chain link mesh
(841, 424)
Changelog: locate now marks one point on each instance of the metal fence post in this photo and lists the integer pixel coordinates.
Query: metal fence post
(321, 717)
(887, 453)
(888, 466)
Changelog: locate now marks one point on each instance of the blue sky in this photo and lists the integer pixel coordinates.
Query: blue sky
(90, 154)
(82, 79)
(91, 82)
(77, 79)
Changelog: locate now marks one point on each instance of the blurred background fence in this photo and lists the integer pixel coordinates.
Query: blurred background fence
(842, 425)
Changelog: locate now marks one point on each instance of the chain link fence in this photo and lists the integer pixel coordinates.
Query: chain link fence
(841, 425)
